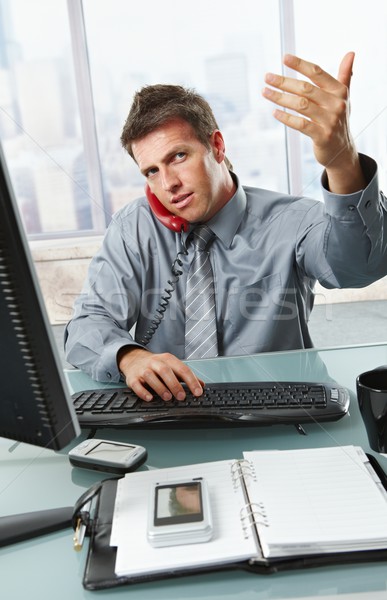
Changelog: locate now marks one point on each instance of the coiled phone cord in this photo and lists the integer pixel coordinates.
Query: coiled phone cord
(165, 299)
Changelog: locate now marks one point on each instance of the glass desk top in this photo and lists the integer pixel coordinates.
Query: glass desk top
(36, 479)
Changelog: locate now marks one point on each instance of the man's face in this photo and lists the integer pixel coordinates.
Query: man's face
(189, 498)
(188, 178)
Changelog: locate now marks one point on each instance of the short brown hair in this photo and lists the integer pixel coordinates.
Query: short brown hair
(155, 105)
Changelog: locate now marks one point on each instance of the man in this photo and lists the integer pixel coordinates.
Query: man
(268, 249)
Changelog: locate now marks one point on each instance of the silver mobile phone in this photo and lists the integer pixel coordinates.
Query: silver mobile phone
(179, 513)
(112, 457)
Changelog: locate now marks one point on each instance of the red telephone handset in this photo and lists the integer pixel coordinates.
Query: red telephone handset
(173, 222)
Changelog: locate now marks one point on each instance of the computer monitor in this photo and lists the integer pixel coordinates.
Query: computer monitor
(35, 404)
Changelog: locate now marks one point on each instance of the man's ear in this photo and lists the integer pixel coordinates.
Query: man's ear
(218, 145)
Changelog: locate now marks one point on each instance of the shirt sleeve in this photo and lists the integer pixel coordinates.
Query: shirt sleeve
(346, 246)
(106, 310)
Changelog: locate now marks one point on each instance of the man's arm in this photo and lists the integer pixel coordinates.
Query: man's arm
(101, 348)
(323, 110)
(98, 338)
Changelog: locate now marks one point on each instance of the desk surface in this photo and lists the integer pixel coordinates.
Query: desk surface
(35, 479)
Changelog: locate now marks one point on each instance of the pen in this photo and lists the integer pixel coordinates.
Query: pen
(80, 531)
(79, 535)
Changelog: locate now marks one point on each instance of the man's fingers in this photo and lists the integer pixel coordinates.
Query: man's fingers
(141, 391)
(317, 75)
(312, 71)
(322, 103)
(307, 106)
(298, 123)
(300, 92)
(346, 68)
(319, 107)
(161, 374)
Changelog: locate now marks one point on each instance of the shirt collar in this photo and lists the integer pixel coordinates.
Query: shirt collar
(226, 222)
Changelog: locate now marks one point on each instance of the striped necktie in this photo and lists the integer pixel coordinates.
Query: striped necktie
(201, 339)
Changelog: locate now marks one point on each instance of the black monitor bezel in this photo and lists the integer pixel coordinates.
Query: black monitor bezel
(35, 403)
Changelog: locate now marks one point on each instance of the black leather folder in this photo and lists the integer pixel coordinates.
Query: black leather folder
(100, 573)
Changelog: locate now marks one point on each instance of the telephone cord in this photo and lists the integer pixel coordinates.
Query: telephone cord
(165, 299)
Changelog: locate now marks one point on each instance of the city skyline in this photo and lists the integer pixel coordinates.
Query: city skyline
(41, 127)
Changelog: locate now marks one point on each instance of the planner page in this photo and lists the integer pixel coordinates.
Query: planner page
(136, 556)
(316, 501)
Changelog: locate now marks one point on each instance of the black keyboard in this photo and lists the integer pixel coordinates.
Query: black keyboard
(222, 404)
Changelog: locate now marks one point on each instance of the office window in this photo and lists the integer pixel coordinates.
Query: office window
(348, 25)
(39, 117)
(67, 81)
(223, 55)
(68, 180)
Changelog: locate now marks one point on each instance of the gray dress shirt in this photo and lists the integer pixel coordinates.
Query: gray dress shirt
(269, 250)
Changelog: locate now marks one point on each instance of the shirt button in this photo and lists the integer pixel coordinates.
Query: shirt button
(368, 204)
(351, 207)
(109, 375)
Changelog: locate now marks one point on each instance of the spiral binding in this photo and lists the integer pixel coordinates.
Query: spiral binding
(242, 469)
(164, 302)
(253, 513)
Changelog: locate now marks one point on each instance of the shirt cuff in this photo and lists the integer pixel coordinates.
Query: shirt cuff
(347, 207)
(107, 368)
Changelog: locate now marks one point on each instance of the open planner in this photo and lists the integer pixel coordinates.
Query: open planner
(271, 510)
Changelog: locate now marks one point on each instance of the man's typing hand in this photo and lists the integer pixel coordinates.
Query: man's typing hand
(162, 373)
(322, 107)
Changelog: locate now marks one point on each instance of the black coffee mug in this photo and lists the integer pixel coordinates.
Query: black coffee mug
(371, 389)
